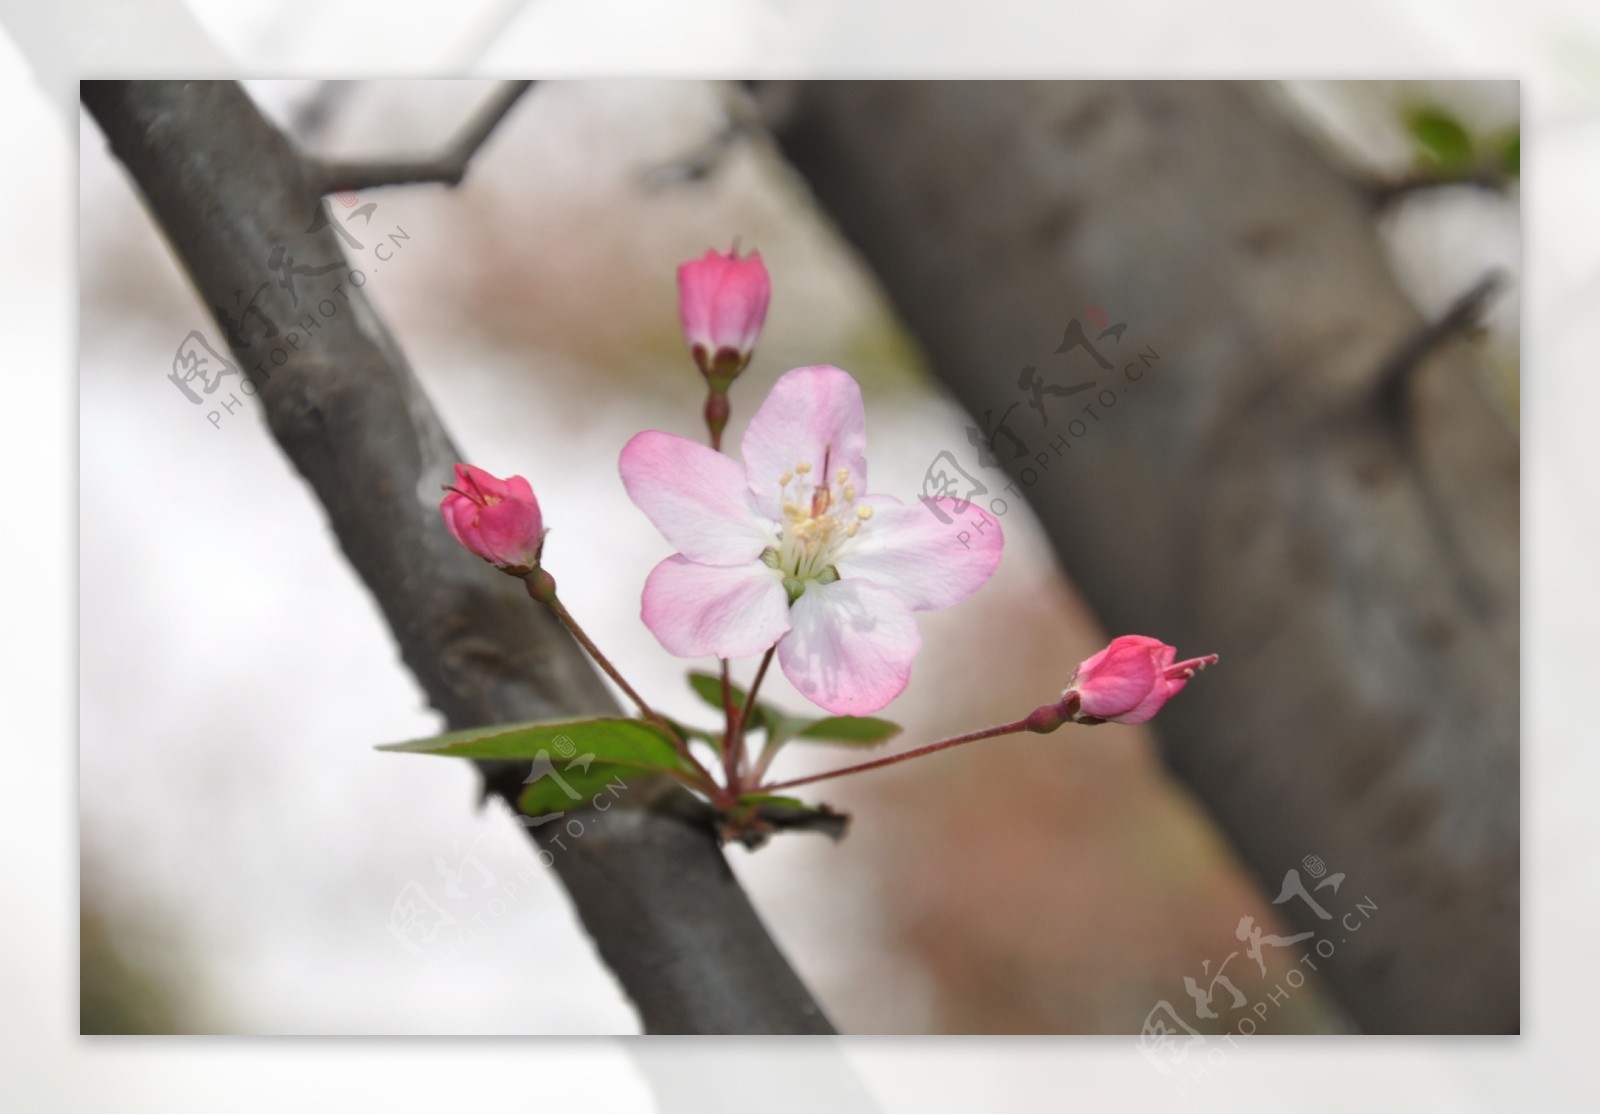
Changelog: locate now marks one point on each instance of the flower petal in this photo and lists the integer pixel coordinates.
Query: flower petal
(1163, 691)
(811, 414)
(725, 611)
(927, 561)
(1120, 680)
(851, 646)
(696, 497)
(740, 303)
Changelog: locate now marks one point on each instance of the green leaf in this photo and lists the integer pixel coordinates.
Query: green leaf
(634, 744)
(860, 731)
(708, 687)
(1511, 152)
(1440, 138)
(774, 801)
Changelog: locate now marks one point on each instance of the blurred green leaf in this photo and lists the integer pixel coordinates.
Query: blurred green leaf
(1511, 153)
(859, 731)
(1440, 138)
(689, 731)
(708, 687)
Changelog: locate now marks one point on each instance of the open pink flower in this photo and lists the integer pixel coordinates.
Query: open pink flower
(722, 302)
(788, 548)
(496, 519)
(1130, 680)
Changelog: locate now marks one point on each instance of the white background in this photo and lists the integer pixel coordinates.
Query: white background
(1554, 49)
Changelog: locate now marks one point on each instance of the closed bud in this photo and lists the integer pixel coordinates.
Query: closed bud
(1129, 681)
(496, 519)
(722, 302)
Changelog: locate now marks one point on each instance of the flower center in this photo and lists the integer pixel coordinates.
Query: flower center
(820, 518)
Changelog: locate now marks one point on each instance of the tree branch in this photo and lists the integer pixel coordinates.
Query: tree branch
(1461, 316)
(645, 875)
(1386, 192)
(449, 166)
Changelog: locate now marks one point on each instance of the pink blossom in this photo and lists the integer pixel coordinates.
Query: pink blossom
(722, 302)
(496, 519)
(790, 549)
(1129, 681)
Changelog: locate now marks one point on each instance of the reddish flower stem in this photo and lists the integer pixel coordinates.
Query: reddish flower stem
(730, 717)
(755, 687)
(1023, 725)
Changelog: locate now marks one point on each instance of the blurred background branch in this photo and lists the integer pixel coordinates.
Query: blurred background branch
(1360, 579)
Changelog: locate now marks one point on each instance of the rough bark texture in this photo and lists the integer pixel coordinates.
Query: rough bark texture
(1351, 551)
(647, 877)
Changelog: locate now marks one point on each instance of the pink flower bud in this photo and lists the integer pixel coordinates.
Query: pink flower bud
(1129, 681)
(496, 519)
(722, 301)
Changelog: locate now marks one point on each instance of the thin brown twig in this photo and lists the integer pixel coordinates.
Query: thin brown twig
(448, 167)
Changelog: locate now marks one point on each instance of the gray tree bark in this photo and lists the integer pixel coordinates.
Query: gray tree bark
(647, 877)
(1285, 484)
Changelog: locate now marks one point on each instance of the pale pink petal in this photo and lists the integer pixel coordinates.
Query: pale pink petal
(721, 611)
(696, 497)
(851, 646)
(924, 560)
(810, 415)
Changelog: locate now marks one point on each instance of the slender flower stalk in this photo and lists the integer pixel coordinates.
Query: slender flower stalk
(1026, 724)
(730, 757)
(1128, 682)
(542, 587)
(750, 697)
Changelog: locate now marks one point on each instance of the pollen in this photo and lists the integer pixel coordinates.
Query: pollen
(820, 518)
